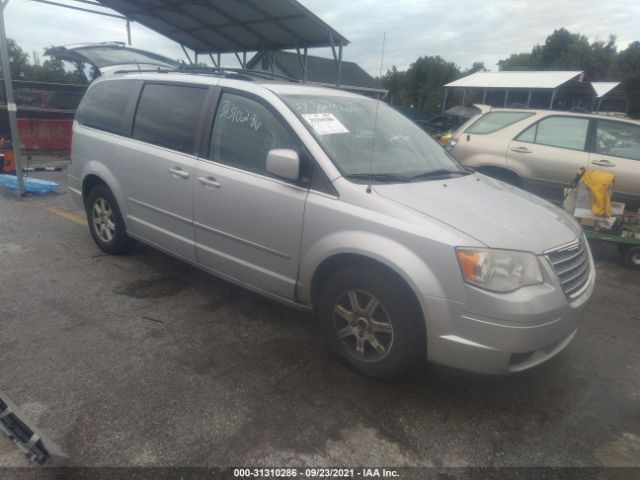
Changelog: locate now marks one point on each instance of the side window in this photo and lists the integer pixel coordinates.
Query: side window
(618, 139)
(529, 135)
(494, 121)
(563, 132)
(104, 105)
(168, 116)
(244, 132)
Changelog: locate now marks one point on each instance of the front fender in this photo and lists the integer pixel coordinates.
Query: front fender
(413, 270)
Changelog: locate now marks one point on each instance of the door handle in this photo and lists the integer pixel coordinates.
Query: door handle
(521, 150)
(209, 182)
(603, 163)
(178, 172)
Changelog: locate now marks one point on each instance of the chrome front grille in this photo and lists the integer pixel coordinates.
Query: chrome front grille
(571, 263)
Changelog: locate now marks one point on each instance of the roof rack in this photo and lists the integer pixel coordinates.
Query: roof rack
(235, 71)
(245, 74)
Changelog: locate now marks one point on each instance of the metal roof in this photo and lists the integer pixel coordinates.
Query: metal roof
(602, 88)
(520, 79)
(226, 26)
(320, 70)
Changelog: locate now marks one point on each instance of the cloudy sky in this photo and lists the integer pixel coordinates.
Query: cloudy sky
(461, 31)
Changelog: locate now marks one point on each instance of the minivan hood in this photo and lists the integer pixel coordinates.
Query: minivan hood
(494, 213)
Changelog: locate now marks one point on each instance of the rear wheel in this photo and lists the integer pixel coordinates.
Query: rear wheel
(632, 258)
(106, 223)
(371, 320)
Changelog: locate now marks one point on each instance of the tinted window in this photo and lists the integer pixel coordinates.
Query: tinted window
(529, 135)
(244, 132)
(494, 121)
(168, 116)
(564, 132)
(618, 139)
(104, 105)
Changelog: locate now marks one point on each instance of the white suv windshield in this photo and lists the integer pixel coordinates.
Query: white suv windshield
(398, 150)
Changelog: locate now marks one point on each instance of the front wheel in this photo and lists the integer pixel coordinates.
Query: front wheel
(106, 223)
(371, 320)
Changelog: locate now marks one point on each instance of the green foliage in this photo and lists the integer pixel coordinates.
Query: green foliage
(421, 86)
(599, 60)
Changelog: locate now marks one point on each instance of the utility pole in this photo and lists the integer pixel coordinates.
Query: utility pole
(11, 103)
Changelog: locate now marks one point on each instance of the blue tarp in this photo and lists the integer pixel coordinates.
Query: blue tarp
(31, 185)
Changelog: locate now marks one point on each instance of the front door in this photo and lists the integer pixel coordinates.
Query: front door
(550, 152)
(248, 224)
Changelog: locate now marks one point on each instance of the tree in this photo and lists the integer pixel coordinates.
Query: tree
(564, 50)
(476, 67)
(422, 85)
(18, 60)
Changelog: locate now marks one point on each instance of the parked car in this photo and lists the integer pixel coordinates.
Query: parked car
(452, 119)
(541, 150)
(300, 194)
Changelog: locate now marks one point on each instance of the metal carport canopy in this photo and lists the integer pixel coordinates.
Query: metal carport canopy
(230, 26)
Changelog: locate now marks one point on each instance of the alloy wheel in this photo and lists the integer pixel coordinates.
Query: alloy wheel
(363, 326)
(103, 222)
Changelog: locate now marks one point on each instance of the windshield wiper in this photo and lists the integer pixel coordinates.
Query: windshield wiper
(440, 173)
(379, 177)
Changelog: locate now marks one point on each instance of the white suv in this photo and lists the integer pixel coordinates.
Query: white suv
(541, 150)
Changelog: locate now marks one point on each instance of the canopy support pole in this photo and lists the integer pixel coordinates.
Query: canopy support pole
(506, 97)
(484, 97)
(187, 54)
(128, 32)
(213, 60)
(553, 98)
(464, 96)
(529, 99)
(11, 103)
(444, 101)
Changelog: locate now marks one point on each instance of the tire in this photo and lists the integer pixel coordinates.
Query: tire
(383, 343)
(632, 258)
(623, 248)
(105, 222)
(506, 177)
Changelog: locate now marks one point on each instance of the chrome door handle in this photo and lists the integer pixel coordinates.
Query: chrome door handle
(521, 150)
(209, 182)
(178, 172)
(603, 163)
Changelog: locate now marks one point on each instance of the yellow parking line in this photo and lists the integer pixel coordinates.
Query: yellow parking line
(61, 213)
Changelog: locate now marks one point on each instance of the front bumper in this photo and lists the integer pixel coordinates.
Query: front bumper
(512, 333)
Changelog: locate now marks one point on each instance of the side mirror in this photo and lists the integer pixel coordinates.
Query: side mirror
(284, 164)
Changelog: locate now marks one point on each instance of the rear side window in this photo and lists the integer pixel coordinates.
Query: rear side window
(494, 121)
(168, 116)
(104, 105)
(563, 132)
(618, 139)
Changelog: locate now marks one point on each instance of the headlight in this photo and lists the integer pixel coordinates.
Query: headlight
(499, 270)
(451, 143)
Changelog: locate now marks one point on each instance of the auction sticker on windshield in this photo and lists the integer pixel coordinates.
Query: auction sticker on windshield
(325, 123)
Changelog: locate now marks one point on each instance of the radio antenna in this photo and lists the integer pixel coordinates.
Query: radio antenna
(375, 118)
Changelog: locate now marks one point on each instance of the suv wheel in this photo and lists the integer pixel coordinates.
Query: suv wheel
(370, 319)
(105, 222)
(632, 258)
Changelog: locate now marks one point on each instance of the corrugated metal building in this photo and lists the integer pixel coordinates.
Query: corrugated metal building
(562, 90)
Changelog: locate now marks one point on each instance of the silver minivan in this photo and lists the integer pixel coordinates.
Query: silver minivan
(334, 203)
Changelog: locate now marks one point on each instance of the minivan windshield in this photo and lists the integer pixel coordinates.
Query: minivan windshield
(397, 151)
